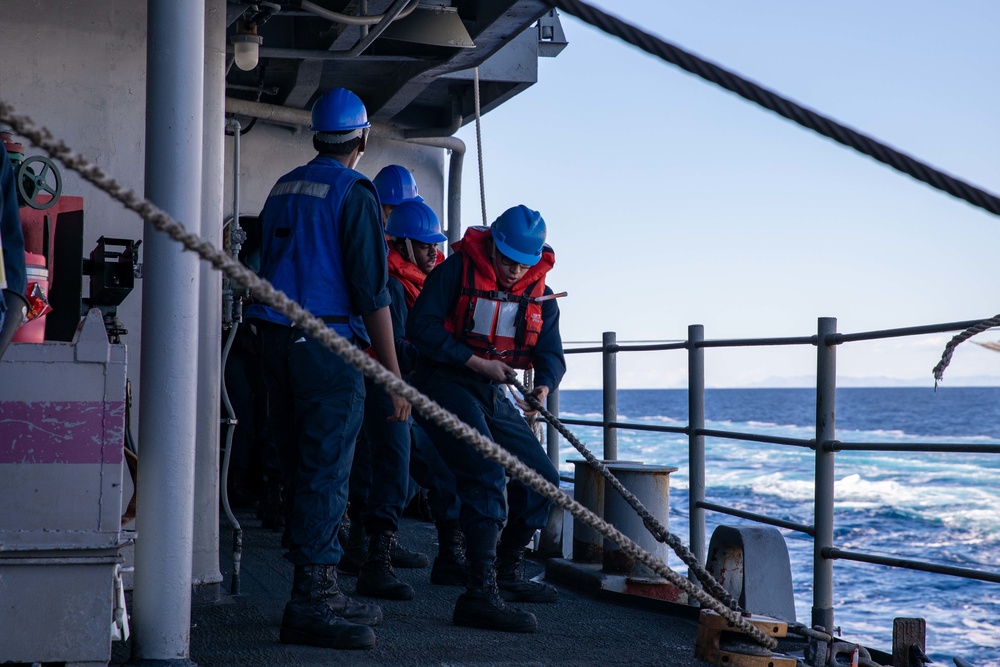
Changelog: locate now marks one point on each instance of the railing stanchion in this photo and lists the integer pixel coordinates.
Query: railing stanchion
(826, 395)
(551, 432)
(696, 442)
(609, 356)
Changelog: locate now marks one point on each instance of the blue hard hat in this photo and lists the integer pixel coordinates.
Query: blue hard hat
(339, 110)
(519, 233)
(395, 185)
(415, 220)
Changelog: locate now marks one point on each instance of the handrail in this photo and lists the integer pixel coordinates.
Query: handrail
(650, 427)
(686, 430)
(754, 437)
(822, 527)
(759, 342)
(903, 331)
(923, 566)
(937, 447)
(760, 518)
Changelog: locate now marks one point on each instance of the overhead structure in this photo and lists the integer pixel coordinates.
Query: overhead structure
(409, 61)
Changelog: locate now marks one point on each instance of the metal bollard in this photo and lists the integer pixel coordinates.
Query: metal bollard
(588, 490)
(651, 485)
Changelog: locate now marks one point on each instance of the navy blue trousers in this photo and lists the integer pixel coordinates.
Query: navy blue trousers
(480, 481)
(380, 480)
(315, 403)
(430, 471)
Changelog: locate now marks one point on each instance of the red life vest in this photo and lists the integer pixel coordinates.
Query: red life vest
(495, 324)
(408, 274)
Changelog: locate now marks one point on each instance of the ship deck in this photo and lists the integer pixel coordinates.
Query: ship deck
(580, 629)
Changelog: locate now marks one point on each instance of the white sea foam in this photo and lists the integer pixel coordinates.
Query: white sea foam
(937, 507)
(982, 633)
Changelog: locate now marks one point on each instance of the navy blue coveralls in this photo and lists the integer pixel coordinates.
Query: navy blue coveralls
(390, 452)
(427, 467)
(380, 480)
(11, 236)
(481, 403)
(323, 245)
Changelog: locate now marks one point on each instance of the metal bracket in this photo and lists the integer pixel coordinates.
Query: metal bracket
(711, 630)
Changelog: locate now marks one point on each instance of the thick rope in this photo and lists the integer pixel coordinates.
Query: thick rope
(533, 422)
(652, 524)
(479, 143)
(781, 105)
(949, 349)
(264, 292)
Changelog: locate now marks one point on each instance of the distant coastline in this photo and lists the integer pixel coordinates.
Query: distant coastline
(809, 382)
(875, 381)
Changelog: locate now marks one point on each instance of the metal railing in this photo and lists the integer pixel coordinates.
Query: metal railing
(821, 530)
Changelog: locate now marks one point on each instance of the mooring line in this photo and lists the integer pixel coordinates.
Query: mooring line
(265, 292)
(653, 525)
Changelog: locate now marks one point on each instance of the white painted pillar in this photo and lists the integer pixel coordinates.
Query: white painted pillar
(175, 54)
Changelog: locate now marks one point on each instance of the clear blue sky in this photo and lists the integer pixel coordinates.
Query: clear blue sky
(672, 202)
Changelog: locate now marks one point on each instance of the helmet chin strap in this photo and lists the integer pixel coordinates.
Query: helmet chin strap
(361, 149)
(409, 249)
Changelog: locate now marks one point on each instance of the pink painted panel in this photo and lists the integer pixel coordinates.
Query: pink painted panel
(62, 432)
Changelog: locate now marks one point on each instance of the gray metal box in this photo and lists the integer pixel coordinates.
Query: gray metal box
(62, 420)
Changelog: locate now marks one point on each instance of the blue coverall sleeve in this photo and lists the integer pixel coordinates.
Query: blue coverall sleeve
(425, 323)
(10, 229)
(365, 265)
(406, 353)
(548, 359)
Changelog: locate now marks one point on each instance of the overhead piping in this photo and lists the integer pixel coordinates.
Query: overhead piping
(457, 148)
(349, 19)
(436, 137)
(379, 28)
(270, 112)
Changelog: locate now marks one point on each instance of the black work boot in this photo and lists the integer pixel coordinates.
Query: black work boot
(451, 568)
(343, 606)
(481, 606)
(377, 578)
(355, 550)
(272, 510)
(513, 585)
(310, 620)
(403, 557)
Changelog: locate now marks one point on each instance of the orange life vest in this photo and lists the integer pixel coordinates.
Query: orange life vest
(496, 324)
(408, 274)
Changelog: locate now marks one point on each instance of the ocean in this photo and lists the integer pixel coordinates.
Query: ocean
(943, 508)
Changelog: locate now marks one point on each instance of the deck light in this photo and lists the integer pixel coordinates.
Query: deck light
(246, 46)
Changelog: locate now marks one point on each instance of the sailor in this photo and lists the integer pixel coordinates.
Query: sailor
(13, 279)
(395, 185)
(415, 232)
(322, 244)
(382, 453)
(481, 315)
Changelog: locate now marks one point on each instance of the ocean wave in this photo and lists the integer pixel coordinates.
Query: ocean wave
(982, 633)
(935, 507)
(582, 415)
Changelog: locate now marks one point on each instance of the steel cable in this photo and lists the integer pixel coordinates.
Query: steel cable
(780, 105)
